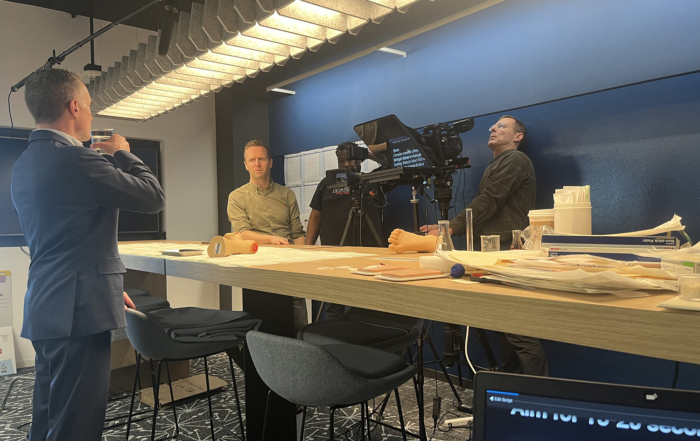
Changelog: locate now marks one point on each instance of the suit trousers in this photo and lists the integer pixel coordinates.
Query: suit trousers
(71, 389)
(523, 355)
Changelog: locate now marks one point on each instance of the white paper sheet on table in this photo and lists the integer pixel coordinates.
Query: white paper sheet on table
(264, 256)
(530, 268)
(673, 225)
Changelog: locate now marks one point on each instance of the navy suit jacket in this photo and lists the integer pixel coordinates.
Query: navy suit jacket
(68, 200)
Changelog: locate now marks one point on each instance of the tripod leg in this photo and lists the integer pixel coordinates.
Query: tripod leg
(373, 229)
(442, 367)
(421, 401)
(348, 224)
(493, 364)
(456, 334)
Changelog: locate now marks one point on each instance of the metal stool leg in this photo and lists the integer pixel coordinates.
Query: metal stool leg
(398, 406)
(172, 399)
(133, 395)
(369, 432)
(9, 389)
(238, 401)
(331, 431)
(156, 401)
(211, 414)
(303, 423)
(267, 408)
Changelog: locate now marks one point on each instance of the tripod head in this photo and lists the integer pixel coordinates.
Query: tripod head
(443, 193)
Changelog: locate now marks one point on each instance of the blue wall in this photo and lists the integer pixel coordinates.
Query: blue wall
(636, 146)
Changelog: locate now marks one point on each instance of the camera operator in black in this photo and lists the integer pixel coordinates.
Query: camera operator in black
(330, 208)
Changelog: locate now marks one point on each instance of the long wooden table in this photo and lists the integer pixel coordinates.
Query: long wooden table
(635, 326)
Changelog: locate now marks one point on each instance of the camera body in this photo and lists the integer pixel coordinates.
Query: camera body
(356, 152)
(445, 136)
(341, 178)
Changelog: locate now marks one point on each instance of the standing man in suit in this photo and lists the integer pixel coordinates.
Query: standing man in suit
(68, 198)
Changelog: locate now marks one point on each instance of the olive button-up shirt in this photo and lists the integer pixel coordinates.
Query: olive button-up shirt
(273, 211)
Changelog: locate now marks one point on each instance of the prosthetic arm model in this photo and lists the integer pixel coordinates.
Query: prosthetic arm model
(401, 241)
(229, 244)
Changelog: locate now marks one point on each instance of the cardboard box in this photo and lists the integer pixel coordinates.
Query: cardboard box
(183, 390)
(687, 264)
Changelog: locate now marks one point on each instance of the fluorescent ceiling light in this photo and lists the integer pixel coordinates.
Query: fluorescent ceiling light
(389, 50)
(222, 42)
(287, 91)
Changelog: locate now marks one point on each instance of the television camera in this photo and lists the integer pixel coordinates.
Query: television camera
(407, 157)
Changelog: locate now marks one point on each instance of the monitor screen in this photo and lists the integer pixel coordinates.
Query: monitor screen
(510, 416)
(396, 145)
(511, 407)
(132, 226)
(405, 154)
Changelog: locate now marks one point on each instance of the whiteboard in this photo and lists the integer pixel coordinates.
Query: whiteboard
(292, 170)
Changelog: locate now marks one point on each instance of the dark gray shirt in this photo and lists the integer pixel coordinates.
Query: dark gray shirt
(506, 195)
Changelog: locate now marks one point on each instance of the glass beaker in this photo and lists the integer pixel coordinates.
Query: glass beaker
(517, 243)
(491, 243)
(444, 240)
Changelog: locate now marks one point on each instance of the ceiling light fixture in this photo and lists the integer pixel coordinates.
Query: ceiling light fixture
(389, 50)
(287, 91)
(222, 42)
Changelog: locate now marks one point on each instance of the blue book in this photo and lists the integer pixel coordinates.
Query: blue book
(615, 256)
(647, 242)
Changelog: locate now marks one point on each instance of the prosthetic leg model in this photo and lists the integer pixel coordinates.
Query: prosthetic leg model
(402, 241)
(229, 244)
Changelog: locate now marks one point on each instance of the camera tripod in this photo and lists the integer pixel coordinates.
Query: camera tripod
(454, 348)
(354, 222)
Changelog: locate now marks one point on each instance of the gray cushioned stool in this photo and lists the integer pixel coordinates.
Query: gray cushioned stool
(337, 375)
(375, 329)
(380, 330)
(150, 341)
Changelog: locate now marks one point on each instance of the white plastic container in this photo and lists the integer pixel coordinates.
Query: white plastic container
(540, 218)
(435, 263)
(573, 218)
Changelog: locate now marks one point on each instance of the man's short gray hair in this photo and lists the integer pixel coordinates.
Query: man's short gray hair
(519, 127)
(47, 93)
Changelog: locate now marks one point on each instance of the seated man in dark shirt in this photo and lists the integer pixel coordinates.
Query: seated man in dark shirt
(330, 208)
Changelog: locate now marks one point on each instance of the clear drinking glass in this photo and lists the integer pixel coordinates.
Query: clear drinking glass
(444, 240)
(100, 135)
(689, 287)
(491, 243)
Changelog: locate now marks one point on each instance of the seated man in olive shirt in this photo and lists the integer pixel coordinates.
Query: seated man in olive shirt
(266, 212)
(262, 210)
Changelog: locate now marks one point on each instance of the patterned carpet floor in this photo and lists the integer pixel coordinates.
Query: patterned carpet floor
(15, 419)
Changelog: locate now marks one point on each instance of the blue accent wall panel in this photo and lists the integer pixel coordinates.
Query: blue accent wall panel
(583, 46)
(637, 146)
(513, 54)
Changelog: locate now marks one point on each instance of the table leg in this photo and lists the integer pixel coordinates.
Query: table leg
(277, 315)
